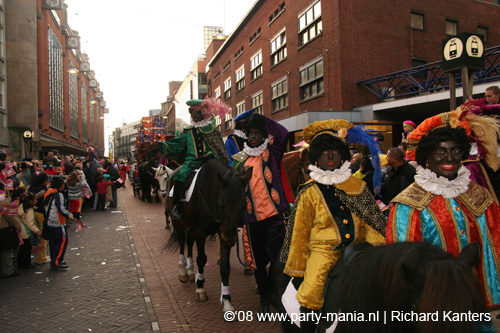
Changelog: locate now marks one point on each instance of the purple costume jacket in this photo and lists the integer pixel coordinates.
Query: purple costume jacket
(265, 194)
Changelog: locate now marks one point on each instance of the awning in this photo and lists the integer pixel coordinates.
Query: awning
(63, 147)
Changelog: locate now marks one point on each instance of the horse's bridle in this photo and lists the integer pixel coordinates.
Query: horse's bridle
(163, 193)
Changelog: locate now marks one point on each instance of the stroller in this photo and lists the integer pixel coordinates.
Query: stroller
(136, 184)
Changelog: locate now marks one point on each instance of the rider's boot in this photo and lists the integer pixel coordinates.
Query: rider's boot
(176, 201)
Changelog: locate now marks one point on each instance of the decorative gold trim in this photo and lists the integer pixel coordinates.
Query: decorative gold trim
(439, 229)
(415, 197)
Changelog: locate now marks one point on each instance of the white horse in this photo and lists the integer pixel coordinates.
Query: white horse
(186, 265)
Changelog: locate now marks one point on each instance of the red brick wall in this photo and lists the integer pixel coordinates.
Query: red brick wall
(361, 40)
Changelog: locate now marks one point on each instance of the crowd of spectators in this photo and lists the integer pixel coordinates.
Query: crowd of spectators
(49, 192)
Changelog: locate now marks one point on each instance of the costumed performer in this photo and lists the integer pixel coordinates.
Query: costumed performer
(443, 206)
(331, 211)
(266, 200)
(200, 141)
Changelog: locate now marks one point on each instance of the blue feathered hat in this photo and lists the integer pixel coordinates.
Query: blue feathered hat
(241, 120)
(347, 133)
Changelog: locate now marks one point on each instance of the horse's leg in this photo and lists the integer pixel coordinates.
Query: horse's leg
(190, 261)
(201, 260)
(183, 275)
(225, 270)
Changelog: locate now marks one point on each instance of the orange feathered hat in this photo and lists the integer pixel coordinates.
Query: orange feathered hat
(483, 130)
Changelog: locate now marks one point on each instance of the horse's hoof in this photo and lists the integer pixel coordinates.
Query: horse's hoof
(247, 271)
(183, 278)
(191, 277)
(201, 296)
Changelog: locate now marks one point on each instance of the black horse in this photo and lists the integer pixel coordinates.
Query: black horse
(148, 181)
(393, 284)
(216, 206)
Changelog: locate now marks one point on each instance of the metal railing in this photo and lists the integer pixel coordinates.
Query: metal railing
(429, 78)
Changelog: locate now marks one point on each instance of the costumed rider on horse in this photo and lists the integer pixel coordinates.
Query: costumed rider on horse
(332, 210)
(200, 141)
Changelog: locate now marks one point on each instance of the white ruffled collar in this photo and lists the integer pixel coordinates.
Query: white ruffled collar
(241, 134)
(201, 123)
(257, 150)
(327, 177)
(449, 189)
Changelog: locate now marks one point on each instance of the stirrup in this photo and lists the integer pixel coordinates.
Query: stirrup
(176, 213)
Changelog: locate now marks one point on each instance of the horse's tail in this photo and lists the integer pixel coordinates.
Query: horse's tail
(173, 242)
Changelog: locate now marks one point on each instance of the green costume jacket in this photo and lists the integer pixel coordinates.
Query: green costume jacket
(196, 142)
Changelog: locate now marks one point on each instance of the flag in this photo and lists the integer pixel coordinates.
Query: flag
(79, 225)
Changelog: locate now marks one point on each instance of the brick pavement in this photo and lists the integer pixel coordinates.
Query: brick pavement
(122, 280)
(101, 291)
(174, 303)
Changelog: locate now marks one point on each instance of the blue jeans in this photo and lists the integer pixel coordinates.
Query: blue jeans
(115, 197)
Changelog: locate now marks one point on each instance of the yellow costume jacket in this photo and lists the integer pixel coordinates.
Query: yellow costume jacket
(317, 242)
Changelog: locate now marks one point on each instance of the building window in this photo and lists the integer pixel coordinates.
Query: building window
(92, 124)
(217, 92)
(226, 66)
(228, 122)
(418, 62)
(310, 23)
(73, 104)
(240, 108)
(257, 102)
(56, 89)
(240, 78)
(227, 89)
(277, 12)
(279, 94)
(2, 94)
(216, 76)
(278, 48)
(417, 21)
(483, 31)
(238, 53)
(451, 28)
(85, 115)
(311, 79)
(254, 36)
(256, 65)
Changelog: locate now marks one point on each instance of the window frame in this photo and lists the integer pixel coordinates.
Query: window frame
(258, 108)
(227, 89)
(280, 53)
(311, 82)
(311, 21)
(455, 23)
(415, 14)
(256, 70)
(240, 78)
(487, 30)
(240, 107)
(281, 98)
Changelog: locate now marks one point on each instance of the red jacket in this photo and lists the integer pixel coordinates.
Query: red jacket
(101, 187)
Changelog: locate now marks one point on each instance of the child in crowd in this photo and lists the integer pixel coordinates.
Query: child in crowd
(26, 212)
(56, 207)
(101, 192)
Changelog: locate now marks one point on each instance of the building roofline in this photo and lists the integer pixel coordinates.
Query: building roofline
(238, 28)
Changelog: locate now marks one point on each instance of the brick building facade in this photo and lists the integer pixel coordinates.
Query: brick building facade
(299, 61)
(63, 109)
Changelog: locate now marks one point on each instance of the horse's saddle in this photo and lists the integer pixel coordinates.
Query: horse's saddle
(187, 186)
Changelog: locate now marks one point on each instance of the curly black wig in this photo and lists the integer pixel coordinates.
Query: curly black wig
(429, 142)
(326, 141)
(256, 121)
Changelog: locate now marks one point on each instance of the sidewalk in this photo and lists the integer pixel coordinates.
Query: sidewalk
(103, 290)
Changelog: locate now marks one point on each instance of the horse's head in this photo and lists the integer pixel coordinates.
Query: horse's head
(161, 174)
(232, 203)
(461, 292)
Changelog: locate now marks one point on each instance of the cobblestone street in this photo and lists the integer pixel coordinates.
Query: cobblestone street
(122, 280)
